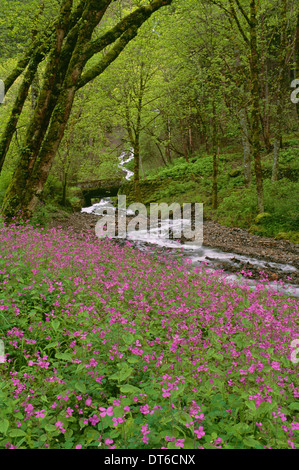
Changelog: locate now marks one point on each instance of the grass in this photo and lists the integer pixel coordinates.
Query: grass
(108, 347)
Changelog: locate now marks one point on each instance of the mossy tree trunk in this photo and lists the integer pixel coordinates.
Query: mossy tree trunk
(135, 98)
(71, 46)
(246, 148)
(279, 91)
(215, 158)
(168, 138)
(255, 107)
(183, 139)
(248, 24)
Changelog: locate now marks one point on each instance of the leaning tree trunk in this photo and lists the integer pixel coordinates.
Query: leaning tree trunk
(22, 186)
(49, 42)
(71, 48)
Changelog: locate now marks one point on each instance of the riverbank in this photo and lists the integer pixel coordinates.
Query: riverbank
(227, 239)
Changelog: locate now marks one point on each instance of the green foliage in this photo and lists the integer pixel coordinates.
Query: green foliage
(47, 211)
(4, 182)
(260, 218)
(13, 36)
(239, 208)
(19, 18)
(201, 166)
(174, 190)
(237, 205)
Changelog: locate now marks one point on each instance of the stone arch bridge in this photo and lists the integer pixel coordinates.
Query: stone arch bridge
(97, 189)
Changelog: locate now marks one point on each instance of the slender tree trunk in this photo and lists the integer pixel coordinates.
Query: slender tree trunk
(167, 148)
(215, 160)
(161, 154)
(183, 139)
(265, 90)
(203, 132)
(246, 148)
(140, 164)
(34, 91)
(137, 170)
(64, 173)
(276, 148)
(214, 181)
(255, 113)
(267, 111)
(279, 92)
(64, 186)
(190, 139)
(137, 138)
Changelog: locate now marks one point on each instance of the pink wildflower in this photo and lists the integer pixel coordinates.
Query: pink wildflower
(199, 432)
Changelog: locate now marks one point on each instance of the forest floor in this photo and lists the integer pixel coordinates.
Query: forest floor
(227, 239)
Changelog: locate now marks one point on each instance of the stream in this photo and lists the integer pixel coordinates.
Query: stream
(157, 241)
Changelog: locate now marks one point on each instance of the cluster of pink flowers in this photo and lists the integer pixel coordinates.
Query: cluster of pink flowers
(59, 426)
(178, 329)
(144, 432)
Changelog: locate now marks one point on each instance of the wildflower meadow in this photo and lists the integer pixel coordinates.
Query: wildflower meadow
(109, 347)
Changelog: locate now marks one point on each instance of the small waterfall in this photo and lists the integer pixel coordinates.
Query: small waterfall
(126, 157)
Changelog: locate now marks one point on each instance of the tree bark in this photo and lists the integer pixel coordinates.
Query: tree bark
(246, 148)
(137, 137)
(167, 147)
(265, 118)
(215, 159)
(255, 111)
(183, 139)
(279, 91)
